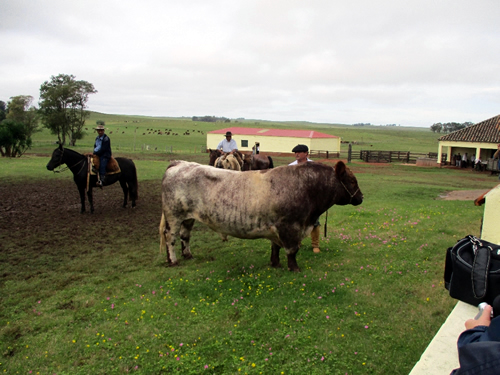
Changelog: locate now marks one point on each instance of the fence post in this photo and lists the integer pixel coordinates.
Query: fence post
(349, 153)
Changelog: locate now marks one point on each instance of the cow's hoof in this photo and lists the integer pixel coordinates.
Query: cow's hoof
(188, 256)
(294, 269)
(172, 264)
(276, 265)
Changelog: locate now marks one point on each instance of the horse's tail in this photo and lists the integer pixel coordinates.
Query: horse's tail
(161, 229)
(134, 191)
(271, 164)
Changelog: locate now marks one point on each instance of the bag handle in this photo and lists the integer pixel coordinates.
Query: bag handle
(480, 269)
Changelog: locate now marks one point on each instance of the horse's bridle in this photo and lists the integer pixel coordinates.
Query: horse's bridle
(66, 167)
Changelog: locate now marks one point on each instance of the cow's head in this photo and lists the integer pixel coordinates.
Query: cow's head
(349, 183)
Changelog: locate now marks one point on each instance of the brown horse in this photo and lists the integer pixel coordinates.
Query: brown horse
(214, 154)
(255, 162)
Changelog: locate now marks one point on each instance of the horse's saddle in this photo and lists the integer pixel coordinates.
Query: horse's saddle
(111, 168)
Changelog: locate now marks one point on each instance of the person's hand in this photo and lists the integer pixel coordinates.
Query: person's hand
(483, 320)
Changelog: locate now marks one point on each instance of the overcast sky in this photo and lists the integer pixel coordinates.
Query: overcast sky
(404, 62)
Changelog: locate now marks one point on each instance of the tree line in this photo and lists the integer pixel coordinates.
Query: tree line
(449, 127)
(210, 119)
(61, 109)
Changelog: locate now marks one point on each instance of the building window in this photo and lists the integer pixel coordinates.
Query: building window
(244, 143)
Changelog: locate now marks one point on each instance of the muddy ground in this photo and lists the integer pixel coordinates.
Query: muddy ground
(37, 218)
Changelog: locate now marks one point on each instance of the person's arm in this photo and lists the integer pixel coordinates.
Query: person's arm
(475, 328)
(220, 146)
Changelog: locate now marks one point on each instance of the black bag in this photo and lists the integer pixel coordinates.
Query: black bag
(472, 270)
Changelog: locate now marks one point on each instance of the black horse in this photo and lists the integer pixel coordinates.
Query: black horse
(78, 164)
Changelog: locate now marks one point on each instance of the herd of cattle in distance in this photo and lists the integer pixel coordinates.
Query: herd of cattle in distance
(280, 204)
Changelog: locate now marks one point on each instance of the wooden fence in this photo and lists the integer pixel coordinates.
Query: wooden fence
(375, 156)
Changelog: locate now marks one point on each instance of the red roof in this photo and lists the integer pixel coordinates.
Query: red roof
(274, 132)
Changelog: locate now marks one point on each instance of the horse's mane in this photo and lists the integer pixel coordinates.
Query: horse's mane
(73, 152)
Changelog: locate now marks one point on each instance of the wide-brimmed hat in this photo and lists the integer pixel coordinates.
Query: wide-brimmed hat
(229, 134)
(300, 148)
(100, 127)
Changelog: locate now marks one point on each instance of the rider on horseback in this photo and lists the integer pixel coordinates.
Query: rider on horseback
(102, 148)
(228, 146)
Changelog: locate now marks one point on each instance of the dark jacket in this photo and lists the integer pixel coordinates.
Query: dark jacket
(105, 150)
(479, 350)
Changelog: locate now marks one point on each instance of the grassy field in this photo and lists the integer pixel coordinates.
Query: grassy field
(82, 294)
(141, 134)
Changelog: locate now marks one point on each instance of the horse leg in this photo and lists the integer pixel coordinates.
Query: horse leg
(275, 255)
(91, 199)
(81, 190)
(185, 234)
(124, 186)
(132, 188)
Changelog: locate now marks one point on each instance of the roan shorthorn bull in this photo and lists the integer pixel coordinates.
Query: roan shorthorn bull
(280, 204)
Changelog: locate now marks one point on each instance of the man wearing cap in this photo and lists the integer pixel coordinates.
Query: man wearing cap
(102, 148)
(301, 157)
(301, 154)
(228, 146)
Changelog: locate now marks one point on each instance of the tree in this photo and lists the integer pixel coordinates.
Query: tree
(449, 127)
(437, 127)
(14, 138)
(3, 111)
(20, 110)
(62, 106)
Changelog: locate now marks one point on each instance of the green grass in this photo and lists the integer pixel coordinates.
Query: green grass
(136, 134)
(74, 302)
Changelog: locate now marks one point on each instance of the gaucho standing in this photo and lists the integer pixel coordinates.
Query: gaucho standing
(301, 157)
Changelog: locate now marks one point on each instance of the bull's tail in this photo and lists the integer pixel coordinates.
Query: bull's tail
(161, 229)
(271, 164)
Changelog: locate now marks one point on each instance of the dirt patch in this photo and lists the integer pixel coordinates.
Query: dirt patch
(463, 195)
(37, 218)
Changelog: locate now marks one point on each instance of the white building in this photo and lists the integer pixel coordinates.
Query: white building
(276, 140)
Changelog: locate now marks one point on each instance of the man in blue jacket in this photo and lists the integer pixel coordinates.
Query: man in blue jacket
(102, 148)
